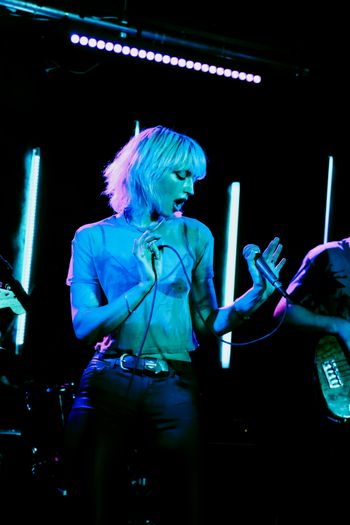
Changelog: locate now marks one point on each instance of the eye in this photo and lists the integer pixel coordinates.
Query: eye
(181, 175)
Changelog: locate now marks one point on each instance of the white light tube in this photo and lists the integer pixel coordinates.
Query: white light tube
(229, 276)
(27, 236)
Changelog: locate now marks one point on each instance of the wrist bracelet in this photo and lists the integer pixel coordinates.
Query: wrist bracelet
(127, 304)
(241, 316)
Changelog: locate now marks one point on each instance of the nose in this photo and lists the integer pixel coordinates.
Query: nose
(189, 186)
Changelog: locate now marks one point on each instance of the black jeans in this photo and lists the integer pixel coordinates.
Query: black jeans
(117, 412)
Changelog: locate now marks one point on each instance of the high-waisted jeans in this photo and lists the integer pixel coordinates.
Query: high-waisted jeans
(117, 412)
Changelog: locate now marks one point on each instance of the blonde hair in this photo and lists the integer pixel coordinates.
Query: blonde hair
(131, 178)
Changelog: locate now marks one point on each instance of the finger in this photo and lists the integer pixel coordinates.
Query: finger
(275, 255)
(151, 242)
(280, 265)
(272, 247)
(154, 249)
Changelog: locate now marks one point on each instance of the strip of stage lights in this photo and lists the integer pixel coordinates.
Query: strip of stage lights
(328, 198)
(228, 291)
(27, 235)
(152, 56)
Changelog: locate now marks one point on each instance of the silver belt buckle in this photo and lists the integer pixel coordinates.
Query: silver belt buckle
(121, 361)
(151, 365)
(156, 365)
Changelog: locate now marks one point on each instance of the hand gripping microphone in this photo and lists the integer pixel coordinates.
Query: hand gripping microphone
(262, 266)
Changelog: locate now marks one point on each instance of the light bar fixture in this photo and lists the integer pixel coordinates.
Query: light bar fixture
(328, 198)
(152, 56)
(219, 47)
(23, 266)
(229, 275)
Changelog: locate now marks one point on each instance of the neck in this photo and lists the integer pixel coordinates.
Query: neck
(142, 220)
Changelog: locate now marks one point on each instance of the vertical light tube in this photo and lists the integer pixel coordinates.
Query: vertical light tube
(137, 127)
(229, 276)
(27, 235)
(328, 198)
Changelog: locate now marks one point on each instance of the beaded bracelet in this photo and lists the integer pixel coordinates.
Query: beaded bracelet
(241, 316)
(127, 304)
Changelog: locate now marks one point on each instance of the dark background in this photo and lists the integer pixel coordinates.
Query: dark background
(80, 106)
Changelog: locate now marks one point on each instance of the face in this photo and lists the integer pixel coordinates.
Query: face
(174, 190)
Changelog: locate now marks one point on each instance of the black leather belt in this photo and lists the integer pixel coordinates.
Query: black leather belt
(148, 365)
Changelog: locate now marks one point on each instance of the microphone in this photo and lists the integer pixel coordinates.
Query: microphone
(262, 266)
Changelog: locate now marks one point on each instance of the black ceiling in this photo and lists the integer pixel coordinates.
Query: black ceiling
(291, 34)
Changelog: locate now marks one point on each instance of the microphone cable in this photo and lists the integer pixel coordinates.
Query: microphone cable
(139, 352)
(243, 343)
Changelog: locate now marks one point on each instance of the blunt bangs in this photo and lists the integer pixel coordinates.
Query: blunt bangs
(172, 151)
